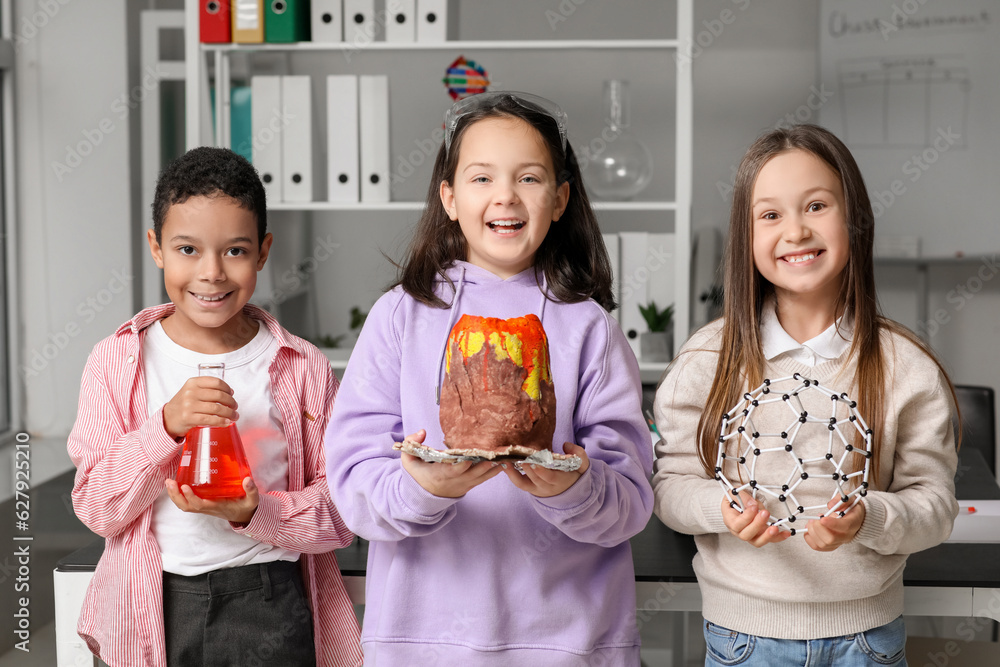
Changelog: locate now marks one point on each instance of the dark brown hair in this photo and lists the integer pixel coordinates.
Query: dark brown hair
(210, 172)
(572, 257)
(741, 357)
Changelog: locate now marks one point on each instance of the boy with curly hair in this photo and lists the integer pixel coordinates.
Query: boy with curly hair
(187, 581)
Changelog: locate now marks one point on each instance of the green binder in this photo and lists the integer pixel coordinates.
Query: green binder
(286, 21)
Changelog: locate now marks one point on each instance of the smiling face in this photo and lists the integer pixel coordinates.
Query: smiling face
(800, 239)
(504, 194)
(210, 258)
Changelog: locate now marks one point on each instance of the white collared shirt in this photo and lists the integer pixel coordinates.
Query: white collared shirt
(828, 345)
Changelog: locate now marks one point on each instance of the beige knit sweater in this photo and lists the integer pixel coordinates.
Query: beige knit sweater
(787, 590)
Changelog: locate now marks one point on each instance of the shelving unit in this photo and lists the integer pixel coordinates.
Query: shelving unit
(199, 129)
(566, 44)
(419, 205)
(921, 267)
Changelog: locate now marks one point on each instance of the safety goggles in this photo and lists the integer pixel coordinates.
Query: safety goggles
(494, 99)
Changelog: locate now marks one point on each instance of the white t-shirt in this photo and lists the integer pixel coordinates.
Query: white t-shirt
(192, 543)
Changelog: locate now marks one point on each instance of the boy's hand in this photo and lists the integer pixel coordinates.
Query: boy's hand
(202, 401)
(750, 525)
(832, 531)
(237, 510)
(545, 483)
(447, 480)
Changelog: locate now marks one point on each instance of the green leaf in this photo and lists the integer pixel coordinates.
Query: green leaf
(358, 317)
(656, 319)
(327, 340)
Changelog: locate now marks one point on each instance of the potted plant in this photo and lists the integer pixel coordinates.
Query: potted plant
(657, 344)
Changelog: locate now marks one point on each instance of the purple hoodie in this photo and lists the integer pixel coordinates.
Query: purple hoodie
(497, 577)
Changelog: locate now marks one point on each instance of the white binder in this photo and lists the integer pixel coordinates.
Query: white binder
(634, 285)
(660, 260)
(373, 109)
(359, 22)
(266, 125)
(614, 255)
(400, 20)
(327, 20)
(707, 256)
(342, 138)
(432, 20)
(296, 139)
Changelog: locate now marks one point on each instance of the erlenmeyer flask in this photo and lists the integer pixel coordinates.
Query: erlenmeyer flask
(213, 463)
(621, 166)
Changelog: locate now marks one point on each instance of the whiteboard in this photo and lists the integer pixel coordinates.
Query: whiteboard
(913, 89)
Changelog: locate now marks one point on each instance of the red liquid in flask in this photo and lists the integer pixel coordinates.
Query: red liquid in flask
(213, 463)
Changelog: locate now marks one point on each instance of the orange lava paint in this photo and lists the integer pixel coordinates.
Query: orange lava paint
(521, 339)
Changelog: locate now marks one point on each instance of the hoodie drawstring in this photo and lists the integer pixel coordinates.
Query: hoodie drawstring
(541, 306)
(452, 316)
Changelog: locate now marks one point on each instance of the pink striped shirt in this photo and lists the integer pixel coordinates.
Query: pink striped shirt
(123, 456)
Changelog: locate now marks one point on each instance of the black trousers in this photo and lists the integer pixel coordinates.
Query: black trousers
(242, 616)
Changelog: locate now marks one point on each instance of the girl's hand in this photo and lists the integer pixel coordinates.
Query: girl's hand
(545, 483)
(202, 401)
(831, 531)
(751, 524)
(237, 510)
(447, 480)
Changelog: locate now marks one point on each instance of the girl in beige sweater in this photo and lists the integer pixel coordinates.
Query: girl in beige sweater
(800, 298)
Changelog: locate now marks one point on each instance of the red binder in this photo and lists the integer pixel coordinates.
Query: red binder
(216, 25)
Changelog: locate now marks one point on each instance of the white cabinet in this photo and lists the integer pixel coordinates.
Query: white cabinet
(575, 64)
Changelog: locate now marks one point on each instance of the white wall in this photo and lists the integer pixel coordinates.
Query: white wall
(74, 221)
(759, 68)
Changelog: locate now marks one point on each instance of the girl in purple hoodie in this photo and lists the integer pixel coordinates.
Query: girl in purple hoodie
(478, 563)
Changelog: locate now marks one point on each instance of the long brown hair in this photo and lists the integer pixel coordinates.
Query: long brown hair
(572, 257)
(741, 357)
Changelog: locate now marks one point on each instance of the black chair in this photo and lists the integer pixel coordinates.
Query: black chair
(978, 421)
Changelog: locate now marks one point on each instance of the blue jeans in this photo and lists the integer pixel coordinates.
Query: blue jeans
(884, 645)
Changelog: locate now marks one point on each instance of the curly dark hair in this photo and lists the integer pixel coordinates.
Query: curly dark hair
(209, 171)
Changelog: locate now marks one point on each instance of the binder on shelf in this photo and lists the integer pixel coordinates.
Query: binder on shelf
(401, 20)
(342, 138)
(434, 17)
(327, 20)
(296, 139)
(359, 22)
(660, 260)
(634, 285)
(215, 22)
(373, 110)
(248, 21)
(705, 261)
(286, 21)
(614, 255)
(241, 121)
(265, 123)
